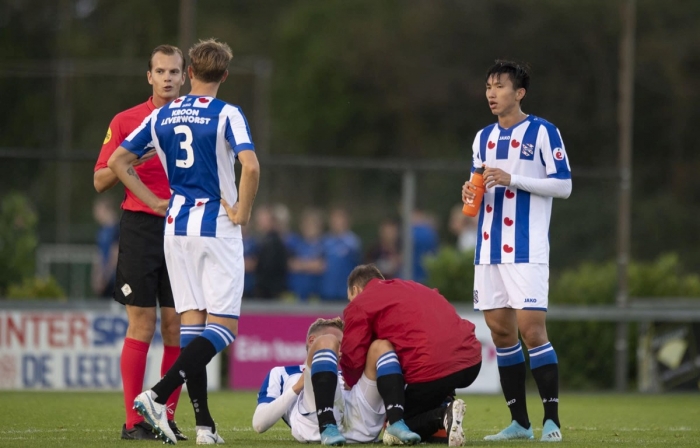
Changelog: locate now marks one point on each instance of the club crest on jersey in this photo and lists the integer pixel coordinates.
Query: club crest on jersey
(528, 149)
(558, 153)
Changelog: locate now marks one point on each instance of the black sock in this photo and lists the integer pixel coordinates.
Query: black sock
(427, 423)
(324, 384)
(391, 389)
(547, 379)
(197, 390)
(192, 358)
(513, 385)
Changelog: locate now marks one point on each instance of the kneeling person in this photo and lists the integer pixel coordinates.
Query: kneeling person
(313, 400)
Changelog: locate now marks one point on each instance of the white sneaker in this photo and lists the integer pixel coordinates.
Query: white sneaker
(155, 415)
(206, 437)
(454, 414)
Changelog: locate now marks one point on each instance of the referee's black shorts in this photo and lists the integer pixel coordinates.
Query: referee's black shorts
(422, 397)
(142, 276)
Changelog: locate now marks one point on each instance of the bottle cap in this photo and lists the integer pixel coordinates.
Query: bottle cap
(479, 170)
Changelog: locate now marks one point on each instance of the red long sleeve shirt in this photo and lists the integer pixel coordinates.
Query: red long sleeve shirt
(429, 337)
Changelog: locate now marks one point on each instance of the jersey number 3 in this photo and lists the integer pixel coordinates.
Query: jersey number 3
(185, 145)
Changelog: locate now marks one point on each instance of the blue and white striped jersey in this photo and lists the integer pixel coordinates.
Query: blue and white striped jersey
(276, 382)
(513, 223)
(197, 139)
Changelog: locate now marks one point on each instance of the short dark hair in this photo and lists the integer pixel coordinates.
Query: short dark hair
(168, 50)
(362, 274)
(518, 72)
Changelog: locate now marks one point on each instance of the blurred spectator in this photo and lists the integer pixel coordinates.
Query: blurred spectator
(425, 242)
(306, 262)
(104, 269)
(464, 228)
(342, 250)
(282, 218)
(271, 266)
(250, 259)
(386, 252)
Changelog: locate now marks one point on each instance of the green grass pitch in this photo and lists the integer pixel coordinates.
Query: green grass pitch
(58, 419)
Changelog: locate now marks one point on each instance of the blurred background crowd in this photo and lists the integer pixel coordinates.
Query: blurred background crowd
(308, 257)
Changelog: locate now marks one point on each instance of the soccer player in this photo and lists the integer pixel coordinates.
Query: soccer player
(526, 166)
(142, 276)
(313, 401)
(437, 350)
(198, 139)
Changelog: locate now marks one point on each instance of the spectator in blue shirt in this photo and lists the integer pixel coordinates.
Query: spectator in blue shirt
(425, 242)
(306, 262)
(104, 269)
(342, 250)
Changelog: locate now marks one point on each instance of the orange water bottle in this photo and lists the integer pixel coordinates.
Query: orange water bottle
(472, 208)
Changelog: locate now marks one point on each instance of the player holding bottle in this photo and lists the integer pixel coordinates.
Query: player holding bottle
(526, 166)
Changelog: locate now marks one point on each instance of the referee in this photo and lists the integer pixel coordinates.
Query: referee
(142, 277)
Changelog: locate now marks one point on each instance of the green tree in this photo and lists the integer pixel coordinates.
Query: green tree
(18, 239)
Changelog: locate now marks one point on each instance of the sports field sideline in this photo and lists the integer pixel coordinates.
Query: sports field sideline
(56, 419)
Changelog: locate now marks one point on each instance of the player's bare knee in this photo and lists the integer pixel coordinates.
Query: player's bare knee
(325, 342)
(534, 336)
(503, 335)
(170, 326)
(378, 347)
(141, 328)
(171, 333)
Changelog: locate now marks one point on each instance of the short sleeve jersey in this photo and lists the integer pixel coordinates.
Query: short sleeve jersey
(151, 172)
(513, 223)
(198, 139)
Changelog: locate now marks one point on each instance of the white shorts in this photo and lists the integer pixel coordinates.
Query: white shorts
(521, 286)
(206, 273)
(359, 412)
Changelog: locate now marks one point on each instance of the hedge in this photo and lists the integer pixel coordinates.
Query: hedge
(585, 349)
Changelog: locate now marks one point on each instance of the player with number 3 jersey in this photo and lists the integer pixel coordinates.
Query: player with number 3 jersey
(198, 161)
(198, 139)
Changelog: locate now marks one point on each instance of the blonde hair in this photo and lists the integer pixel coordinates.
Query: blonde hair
(321, 323)
(209, 60)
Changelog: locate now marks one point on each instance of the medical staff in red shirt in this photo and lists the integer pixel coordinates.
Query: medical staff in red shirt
(437, 350)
